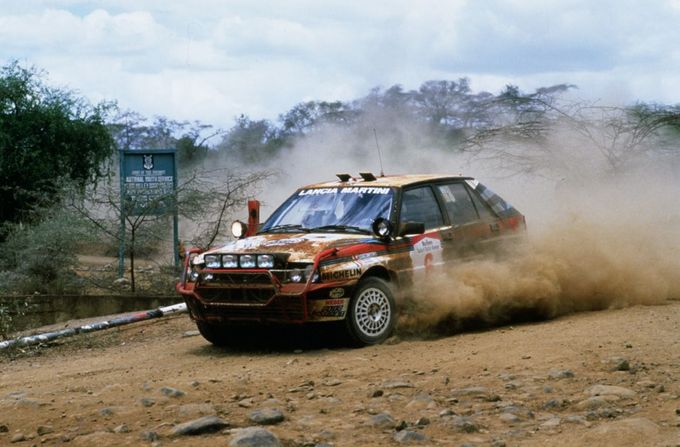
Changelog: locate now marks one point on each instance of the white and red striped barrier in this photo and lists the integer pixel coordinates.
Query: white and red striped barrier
(98, 326)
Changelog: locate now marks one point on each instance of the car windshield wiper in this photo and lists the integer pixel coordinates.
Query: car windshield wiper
(347, 228)
(287, 228)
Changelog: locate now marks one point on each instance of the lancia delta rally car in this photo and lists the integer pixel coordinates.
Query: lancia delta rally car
(347, 251)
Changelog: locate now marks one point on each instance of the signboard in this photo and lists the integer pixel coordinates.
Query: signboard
(148, 185)
(148, 181)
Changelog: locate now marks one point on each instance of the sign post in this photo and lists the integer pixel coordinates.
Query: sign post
(148, 186)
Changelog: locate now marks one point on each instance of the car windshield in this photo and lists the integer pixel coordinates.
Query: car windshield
(341, 209)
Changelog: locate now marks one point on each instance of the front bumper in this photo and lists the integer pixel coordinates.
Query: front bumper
(257, 295)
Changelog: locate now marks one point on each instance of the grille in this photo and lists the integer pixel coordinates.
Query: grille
(280, 309)
(237, 288)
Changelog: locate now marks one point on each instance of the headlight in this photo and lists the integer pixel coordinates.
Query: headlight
(212, 261)
(297, 276)
(265, 261)
(230, 261)
(247, 261)
(239, 229)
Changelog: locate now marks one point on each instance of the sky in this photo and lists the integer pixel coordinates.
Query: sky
(212, 60)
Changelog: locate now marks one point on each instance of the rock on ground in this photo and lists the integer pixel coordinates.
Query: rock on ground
(206, 424)
(254, 437)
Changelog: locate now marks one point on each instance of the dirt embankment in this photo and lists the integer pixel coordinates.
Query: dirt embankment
(594, 378)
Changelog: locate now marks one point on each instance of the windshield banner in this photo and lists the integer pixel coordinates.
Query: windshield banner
(352, 190)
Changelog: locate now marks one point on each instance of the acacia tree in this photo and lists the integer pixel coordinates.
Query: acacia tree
(48, 136)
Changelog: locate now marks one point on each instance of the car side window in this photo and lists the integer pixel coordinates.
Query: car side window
(420, 205)
(482, 207)
(458, 203)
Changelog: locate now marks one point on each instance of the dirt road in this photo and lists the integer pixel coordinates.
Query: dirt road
(595, 378)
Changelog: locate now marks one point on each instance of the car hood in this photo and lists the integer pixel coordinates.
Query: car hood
(302, 247)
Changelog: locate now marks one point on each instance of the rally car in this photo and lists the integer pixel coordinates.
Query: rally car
(346, 252)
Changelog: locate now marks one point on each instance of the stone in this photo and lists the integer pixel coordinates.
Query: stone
(206, 424)
(476, 392)
(510, 418)
(593, 403)
(106, 411)
(421, 401)
(397, 384)
(407, 436)
(518, 411)
(266, 416)
(191, 334)
(423, 421)
(617, 364)
(4, 428)
(376, 393)
(608, 390)
(254, 437)
(554, 404)
(561, 374)
(172, 392)
(575, 419)
(44, 430)
(18, 437)
(147, 402)
(150, 436)
(464, 424)
(382, 420)
(121, 429)
(246, 403)
(632, 431)
(551, 423)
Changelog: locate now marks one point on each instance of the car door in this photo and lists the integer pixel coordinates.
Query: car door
(467, 232)
(420, 204)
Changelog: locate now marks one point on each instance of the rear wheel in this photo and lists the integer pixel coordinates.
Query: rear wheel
(372, 313)
(216, 334)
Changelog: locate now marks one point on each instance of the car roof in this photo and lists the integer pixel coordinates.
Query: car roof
(388, 180)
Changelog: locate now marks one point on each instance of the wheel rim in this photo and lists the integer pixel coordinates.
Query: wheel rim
(372, 312)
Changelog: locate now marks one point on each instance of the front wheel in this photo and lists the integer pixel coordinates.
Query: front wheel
(372, 312)
(216, 334)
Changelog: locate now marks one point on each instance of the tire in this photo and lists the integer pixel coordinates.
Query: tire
(371, 315)
(216, 334)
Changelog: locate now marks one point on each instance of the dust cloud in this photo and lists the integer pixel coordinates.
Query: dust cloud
(595, 240)
(577, 264)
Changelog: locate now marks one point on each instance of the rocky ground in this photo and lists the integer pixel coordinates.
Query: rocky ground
(596, 379)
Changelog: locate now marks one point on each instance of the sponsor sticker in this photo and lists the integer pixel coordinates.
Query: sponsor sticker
(339, 275)
(338, 292)
(327, 310)
(351, 190)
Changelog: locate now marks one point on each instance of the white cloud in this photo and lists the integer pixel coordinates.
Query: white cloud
(212, 60)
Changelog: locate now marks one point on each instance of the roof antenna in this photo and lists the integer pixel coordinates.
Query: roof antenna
(375, 134)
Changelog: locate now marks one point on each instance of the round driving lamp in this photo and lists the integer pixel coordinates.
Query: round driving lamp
(382, 228)
(239, 229)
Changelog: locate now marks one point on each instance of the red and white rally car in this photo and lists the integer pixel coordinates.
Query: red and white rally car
(345, 251)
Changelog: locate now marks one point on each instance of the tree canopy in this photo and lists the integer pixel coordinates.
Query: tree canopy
(48, 136)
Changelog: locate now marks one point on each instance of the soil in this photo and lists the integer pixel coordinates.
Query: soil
(525, 384)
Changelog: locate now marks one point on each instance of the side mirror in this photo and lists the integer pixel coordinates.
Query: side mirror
(411, 228)
(382, 228)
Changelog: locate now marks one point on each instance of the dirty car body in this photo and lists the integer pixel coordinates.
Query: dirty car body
(347, 252)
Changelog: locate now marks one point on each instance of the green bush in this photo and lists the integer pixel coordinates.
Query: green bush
(41, 257)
